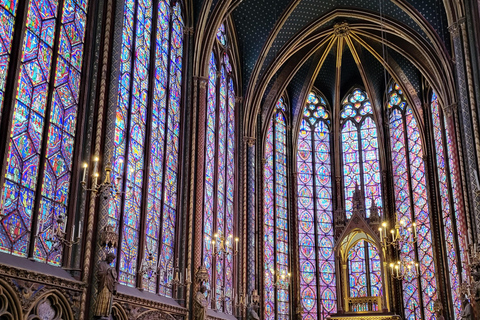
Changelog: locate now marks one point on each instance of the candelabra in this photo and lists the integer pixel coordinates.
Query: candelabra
(222, 246)
(404, 268)
(469, 288)
(57, 237)
(107, 188)
(401, 234)
(283, 280)
(109, 238)
(173, 275)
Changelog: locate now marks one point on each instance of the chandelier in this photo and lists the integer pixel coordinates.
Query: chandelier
(222, 246)
(402, 235)
(283, 279)
(107, 188)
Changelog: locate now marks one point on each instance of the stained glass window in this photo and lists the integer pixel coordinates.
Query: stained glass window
(365, 273)
(361, 164)
(45, 107)
(8, 12)
(411, 204)
(453, 237)
(276, 256)
(315, 211)
(153, 152)
(220, 178)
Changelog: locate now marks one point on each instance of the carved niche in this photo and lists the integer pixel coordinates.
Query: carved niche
(51, 306)
(10, 308)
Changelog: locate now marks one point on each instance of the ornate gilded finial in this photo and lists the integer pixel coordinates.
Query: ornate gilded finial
(109, 238)
(341, 29)
(374, 212)
(202, 274)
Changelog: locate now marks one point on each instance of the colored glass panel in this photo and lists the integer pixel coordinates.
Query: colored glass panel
(359, 132)
(276, 262)
(170, 174)
(317, 266)
(61, 132)
(136, 146)
(411, 204)
(208, 219)
(222, 35)
(29, 119)
(8, 11)
(444, 189)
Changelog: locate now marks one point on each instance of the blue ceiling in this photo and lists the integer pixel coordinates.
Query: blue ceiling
(255, 20)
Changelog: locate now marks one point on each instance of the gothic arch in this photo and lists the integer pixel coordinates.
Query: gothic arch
(52, 306)
(118, 312)
(433, 63)
(155, 315)
(10, 306)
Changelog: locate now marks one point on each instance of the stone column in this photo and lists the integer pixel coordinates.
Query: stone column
(199, 154)
(251, 214)
(105, 107)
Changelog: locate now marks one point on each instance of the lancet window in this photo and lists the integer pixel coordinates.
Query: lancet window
(315, 211)
(147, 135)
(276, 221)
(449, 199)
(411, 204)
(220, 244)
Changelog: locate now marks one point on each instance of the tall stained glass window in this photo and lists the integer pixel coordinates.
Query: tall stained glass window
(38, 174)
(220, 176)
(449, 202)
(411, 205)
(276, 255)
(315, 211)
(361, 164)
(146, 141)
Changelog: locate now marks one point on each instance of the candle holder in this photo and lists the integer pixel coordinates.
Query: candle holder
(222, 246)
(400, 235)
(107, 188)
(403, 269)
(57, 236)
(283, 280)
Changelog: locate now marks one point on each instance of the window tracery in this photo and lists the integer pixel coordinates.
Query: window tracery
(361, 163)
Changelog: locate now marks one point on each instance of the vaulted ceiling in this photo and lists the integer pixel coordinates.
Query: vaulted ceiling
(292, 45)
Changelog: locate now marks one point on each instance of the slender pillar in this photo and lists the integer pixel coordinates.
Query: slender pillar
(251, 217)
(198, 151)
(466, 125)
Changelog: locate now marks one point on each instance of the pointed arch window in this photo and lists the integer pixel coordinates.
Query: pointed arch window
(147, 135)
(35, 195)
(360, 151)
(411, 204)
(219, 209)
(449, 199)
(315, 211)
(276, 228)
